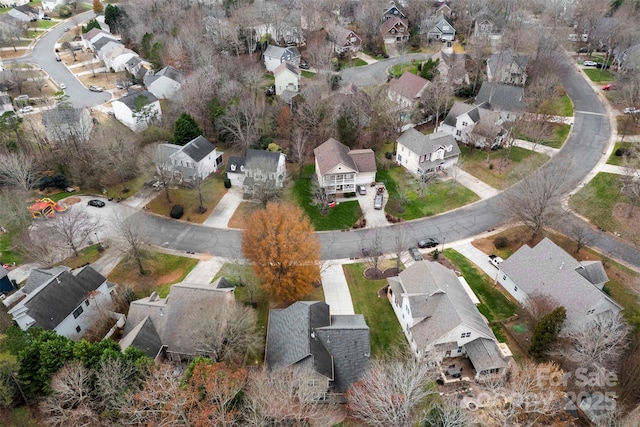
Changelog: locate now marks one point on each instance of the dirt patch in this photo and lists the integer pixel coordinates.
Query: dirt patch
(628, 224)
(71, 200)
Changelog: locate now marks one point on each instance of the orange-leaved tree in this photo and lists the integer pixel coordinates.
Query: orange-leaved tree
(284, 253)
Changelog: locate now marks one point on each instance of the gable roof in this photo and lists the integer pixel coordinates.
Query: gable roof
(198, 148)
(546, 269)
(168, 72)
(172, 317)
(501, 97)
(337, 347)
(484, 355)
(332, 153)
(61, 296)
(408, 85)
(438, 302)
(341, 35)
(282, 53)
(285, 66)
(443, 26)
(91, 33)
(387, 25)
(267, 160)
(40, 276)
(458, 109)
(487, 126)
(103, 41)
(422, 144)
(143, 336)
(505, 59)
(130, 99)
(397, 6)
(55, 116)
(133, 62)
(235, 164)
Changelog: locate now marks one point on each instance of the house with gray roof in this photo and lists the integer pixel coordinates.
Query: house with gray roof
(164, 327)
(137, 109)
(422, 154)
(287, 79)
(67, 124)
(395, 30)
(197, 159)
(276, 55)
(441, 29)
(490, 131)
(460, 120)
(507, 67)
(259, 169)
(508, 100)
(546, 270)
(165, 83)
(486, 23)
(340, 169)
(335, 348)
(344, 40)
(440, 320)
(64, 301)
(394, 10)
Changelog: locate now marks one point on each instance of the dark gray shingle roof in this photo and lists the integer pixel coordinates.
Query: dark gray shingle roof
(236, 164)
(484, 354)
(62, 296)
(266, 160)
(39, 276)
(458, 109)
(130, 99)
(501, 97)
(421, 144)
(143, 336)
(198, 148)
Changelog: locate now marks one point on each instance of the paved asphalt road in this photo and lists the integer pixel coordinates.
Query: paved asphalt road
(44, 55)
(583, 149)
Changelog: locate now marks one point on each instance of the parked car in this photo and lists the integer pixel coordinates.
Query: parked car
(603, 66)
(609, 86)
(22, 98)
(304, 65)
(631, 110)
(590, 63)
(46, 18)
(66, 29)
(95, 88)
(270, 91)
(63, 86)
(26, 109)
(416, 254)
(495, 260)
(429, 242)
(96, 203)
(58, 58)
(377, 201)
(362, 190)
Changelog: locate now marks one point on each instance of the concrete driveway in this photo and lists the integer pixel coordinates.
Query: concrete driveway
(477, 257)
(105, 215)
(336, 290)
(375, 217)
(222, 213)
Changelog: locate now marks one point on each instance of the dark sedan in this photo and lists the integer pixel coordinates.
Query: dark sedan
(96, 203)
(429, 242)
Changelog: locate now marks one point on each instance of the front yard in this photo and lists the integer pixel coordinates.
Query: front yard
(598, 75)
(212, 191)
(343, 216)
(404, 195)
(495, 169)
(620, 145)
(602, 202)
(387, 337)
(555, 135)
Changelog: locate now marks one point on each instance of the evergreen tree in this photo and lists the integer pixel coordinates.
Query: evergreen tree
(93, 23)
(185, 129)
(546, 332)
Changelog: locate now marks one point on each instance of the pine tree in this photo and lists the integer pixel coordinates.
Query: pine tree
(185, 129)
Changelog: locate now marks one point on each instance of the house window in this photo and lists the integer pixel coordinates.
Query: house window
(465, 335)
(86, 302)
(402, 29)
(448, 353)
(77, 312)
(399, 157)
(313, 383)
(515, 288)
(593, 310)
(459, 349)
(78, 329)
(465, 124)
(504, 277)
(458, 133)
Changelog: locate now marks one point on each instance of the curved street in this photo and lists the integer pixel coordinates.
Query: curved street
(582, 151)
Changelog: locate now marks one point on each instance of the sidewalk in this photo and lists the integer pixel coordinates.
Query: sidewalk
(224, 210)
(484, 191)
(336, 290)
(539, 148)
(205, 270)
(366, 58)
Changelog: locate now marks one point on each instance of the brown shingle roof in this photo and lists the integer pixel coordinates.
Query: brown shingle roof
(391, 22)
(408, 85)
(364, 159)
(331, 153)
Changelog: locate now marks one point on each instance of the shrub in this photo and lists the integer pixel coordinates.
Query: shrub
(176, 211)
(227, 183)
(388, 155)
(500, 242)
(491, 166)
(435, 254)
(350, 194)
(623, 152)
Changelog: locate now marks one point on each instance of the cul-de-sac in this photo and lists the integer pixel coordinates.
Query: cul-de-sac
(340, 213)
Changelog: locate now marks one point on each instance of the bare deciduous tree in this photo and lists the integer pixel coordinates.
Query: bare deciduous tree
(371, 247)
(228, 334)
(391, 393)
(539, 305)
(535, 201)
(17, 170)
(582, 235)
(73, 228)
(240, 123)
(298, 149)
(128, 228)
(320, 197)
(401, 242)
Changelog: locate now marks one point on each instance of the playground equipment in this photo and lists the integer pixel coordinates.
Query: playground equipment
(45, 208)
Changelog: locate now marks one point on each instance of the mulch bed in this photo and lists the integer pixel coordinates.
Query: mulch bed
(373, 274)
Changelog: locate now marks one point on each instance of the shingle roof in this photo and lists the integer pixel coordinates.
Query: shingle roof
(364, 159)
(91, 33)
(173, 316)
(61, 296)
(198, 148)
(103, 41)
(422, 144)
(392, 22)
(55, 116)
(340, 35)
(266, 160)
(333, 153)
(408, 85)
(484, 354)
(439, 302)
(487, 126)
(130, 99)
(286, 66)
(133, 61)
(505, 59)
(40, 276)
(547, 269)
(235, 164)
(171, 73)
(501, 97)
(460, 108)
(338, 347)
(444, 26)
(283, 53)
(143, 336)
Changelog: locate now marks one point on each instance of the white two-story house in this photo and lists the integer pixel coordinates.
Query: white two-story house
(197, 159)
(460, 120)
(276, 55)
(421, 154)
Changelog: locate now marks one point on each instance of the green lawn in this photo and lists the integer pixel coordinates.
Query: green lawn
(478, 163)
(399, 69)
(386, 335)
(341, 217)
(626, 297)
(8, 256)
(360, 62)
(308, 74)
(560, 106)
(161, 271)
(88, 255)
(598, 75)
(597, 199)
(438, 196)
(619, 160)
(493, 304)
(559, 134)
(45, 24)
